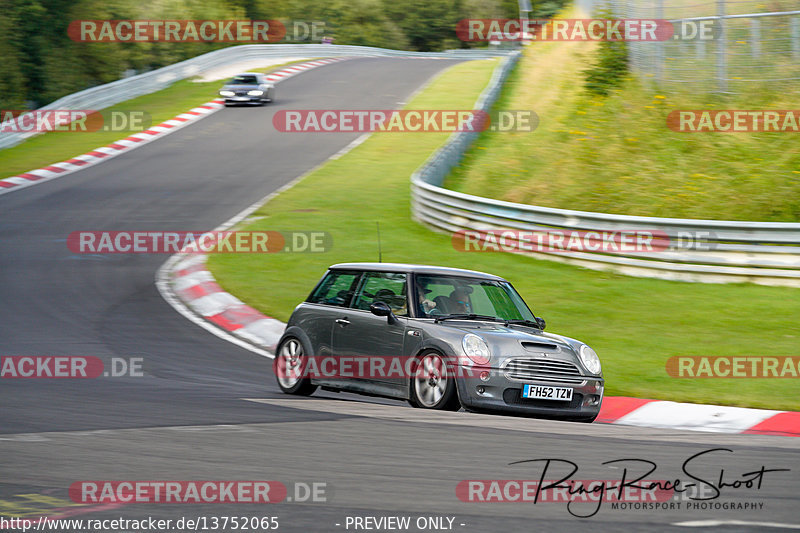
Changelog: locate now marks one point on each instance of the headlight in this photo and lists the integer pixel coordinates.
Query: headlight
(475, 349)
(255, 92)
(590, 359)
(227, 93)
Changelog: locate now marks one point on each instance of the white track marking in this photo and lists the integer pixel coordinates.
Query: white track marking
(719, 523)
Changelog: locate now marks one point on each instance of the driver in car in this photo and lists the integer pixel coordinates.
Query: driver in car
(425, 305)
(459, 301)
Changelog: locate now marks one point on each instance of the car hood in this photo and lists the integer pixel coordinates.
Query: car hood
(495, 333)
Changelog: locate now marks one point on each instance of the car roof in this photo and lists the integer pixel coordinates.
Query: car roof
(248, 74)
(417, 269)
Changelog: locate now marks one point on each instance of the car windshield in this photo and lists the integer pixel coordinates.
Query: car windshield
(439, 296)
(244, 80)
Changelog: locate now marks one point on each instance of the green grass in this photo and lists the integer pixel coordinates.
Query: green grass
(52, 147)
(616, 154)
(634, 324)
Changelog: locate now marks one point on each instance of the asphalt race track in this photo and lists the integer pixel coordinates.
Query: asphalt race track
(209, 410)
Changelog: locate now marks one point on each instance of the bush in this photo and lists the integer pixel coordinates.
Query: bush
(610, 69)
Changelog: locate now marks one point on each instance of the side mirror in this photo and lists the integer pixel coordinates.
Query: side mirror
(541, 322)
(382, 309)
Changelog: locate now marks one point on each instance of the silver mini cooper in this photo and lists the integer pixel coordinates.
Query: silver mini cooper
(441, 338)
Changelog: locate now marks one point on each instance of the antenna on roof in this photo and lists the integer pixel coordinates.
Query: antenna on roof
(378, 227)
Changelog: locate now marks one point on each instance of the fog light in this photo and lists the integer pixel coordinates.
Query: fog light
(484, 376)
(593, 399)
(480, 390)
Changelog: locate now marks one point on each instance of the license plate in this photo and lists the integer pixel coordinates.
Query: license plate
(241, 98)
(539, 392)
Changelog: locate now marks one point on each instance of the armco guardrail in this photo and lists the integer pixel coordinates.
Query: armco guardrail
(106, 95)
(717, 251)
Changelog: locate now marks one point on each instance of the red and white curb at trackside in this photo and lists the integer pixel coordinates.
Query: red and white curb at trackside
(188, 286)
(98, 155)
(698, 417)
(288, 72)
(194, 285)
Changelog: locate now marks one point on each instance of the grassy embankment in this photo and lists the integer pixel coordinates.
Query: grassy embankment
(615, 154)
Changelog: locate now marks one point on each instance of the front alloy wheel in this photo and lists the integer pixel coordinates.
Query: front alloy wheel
(433, 384)
(289, 366)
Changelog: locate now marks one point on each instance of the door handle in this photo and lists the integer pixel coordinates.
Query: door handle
(342, 321)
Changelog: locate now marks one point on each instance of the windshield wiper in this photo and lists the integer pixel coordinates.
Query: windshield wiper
(523, 322)
(466, 316)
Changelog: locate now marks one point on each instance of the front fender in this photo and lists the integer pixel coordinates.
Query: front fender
(448, 351)
(297, 333)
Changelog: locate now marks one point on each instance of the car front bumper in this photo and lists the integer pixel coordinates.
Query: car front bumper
(499, 393)
(245, 99)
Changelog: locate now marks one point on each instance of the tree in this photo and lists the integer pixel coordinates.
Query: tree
(427, 24)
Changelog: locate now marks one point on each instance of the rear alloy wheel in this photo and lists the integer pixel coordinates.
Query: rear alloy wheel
(433, 384)
(290, 363)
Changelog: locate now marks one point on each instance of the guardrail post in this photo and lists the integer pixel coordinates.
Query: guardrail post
(755, 37)
(660, 45)
(722, 44)
(700, 49)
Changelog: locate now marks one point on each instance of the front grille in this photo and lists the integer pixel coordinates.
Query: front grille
(241, 93)
(514, 397)
(547, 370)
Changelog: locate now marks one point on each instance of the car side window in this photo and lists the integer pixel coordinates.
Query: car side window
(387, 287)
(335, 289)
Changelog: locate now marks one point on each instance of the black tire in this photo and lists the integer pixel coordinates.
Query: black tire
(289, 367)
(433, 383)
